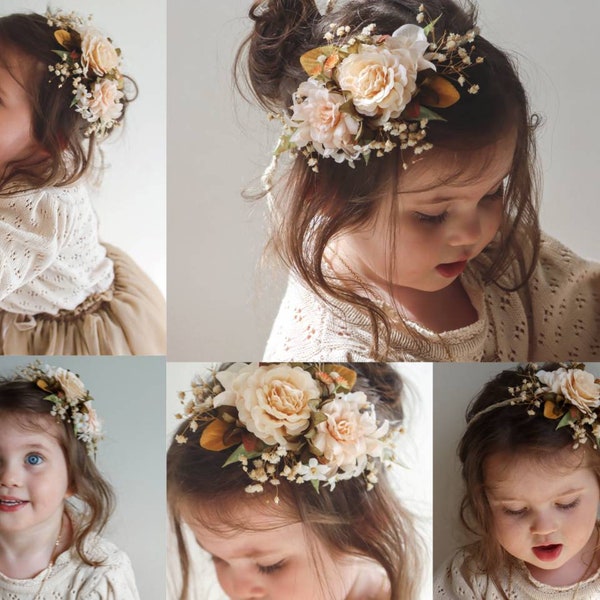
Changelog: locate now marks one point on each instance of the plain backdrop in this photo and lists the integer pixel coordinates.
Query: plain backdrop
(128, 396)
(218, 306)
(454, 386)
(413, 482)
(131, 200)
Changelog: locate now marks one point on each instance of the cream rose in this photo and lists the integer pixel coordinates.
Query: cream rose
(578, 386)
(272, 401)
(316, 115)
(104, 104)
(382, 79)
(71, 385)
(97, 53)
(350, 433)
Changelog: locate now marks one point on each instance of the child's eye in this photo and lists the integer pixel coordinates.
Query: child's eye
(514, 513)
(34, 459)
(268, 569)
(432, 219)
(568, 506)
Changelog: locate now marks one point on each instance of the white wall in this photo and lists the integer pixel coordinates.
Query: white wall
(131, 203)
(218, 146)
(128, 395)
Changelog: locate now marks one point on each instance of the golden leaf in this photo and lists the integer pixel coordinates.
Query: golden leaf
(63, 38)
(43, 385)
(310, 60)
(438, 92)
(347, 374)
(551, 411)
(212, 437)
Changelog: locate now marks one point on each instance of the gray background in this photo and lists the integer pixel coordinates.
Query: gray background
(454, 386)
(129, 398)
(218, 308)
(131, 200)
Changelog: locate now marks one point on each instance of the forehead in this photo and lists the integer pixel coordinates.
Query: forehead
(442, 168)
(25, 429)
(16, 68)
(254, 533)
(529, 477)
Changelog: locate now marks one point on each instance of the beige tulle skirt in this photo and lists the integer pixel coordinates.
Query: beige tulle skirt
(129, 318)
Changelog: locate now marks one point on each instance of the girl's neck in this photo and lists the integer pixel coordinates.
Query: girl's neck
(370, 581)
(428, 309)
(580, 567)
(25, 554)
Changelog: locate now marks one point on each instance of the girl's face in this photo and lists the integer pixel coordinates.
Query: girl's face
(34, 479)
(271, 560)
(545, 516)
(444, 220)
(16, 121)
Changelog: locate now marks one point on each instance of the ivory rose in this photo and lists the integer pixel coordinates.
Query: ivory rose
(382, 79)
(104, 104)
(577, 386)
(97, 53)
(316, 115)
(350, 433)
(71, 384)
(272, 401)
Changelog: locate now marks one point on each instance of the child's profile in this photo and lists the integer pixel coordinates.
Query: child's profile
(277, 474)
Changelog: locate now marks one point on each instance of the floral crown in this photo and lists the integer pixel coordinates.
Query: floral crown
(369, 93)
(92, 63)
(297, 421)
(72, 401)
(569, 395)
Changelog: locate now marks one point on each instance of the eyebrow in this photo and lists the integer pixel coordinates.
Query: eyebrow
(561, 495)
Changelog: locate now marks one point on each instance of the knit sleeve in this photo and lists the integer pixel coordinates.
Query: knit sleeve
(33, 229)
(564, 300)
(456, 580)
(113, 581)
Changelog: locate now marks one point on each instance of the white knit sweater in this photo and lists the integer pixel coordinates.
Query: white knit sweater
(458, 579)
(71, 579)
(556, 316)
(50, 255)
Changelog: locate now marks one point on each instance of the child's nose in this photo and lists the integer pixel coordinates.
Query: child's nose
(543, 524)
(10, 475)
(466, 231)
(243, 586)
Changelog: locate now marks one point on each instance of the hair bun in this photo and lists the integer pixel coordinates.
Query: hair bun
(282, 30)
(382, 385)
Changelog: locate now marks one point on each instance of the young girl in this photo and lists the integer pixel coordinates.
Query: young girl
(531, 469)
(276, 472)
(407, 210)
(61, 290)
(54, 503)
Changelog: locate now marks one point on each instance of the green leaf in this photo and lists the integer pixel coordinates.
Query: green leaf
(427, 113)
(238, 453)
(565, 420)
(62, 53)
(319, 417)
(429, 28)
(315, 484)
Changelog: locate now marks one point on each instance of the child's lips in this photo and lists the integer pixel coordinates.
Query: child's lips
(548, 552)
(11, 504)
(452, 269)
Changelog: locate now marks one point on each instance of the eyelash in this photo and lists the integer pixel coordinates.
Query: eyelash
(269, 569)
(519, 513)
(439, 219)
(34, 464)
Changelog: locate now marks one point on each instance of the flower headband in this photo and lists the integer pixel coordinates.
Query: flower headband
(569, 395)
(369, 93)
(301, 422)
(92, 63)
(72, 401)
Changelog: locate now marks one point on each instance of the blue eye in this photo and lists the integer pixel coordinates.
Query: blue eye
(269, 569)
(34, 459)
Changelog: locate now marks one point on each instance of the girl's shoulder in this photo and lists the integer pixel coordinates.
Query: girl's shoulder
(71, 195)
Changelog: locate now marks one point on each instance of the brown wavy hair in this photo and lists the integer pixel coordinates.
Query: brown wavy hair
(58, 128)
(310, 209)
(24, 401)
(510, 431)
(347, 520)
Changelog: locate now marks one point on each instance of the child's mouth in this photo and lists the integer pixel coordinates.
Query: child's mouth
(11, 504)
(548, 552)
(451, 269)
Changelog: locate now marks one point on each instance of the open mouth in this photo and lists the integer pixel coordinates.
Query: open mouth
(12, 504)
(548, 552)
(451, 269)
